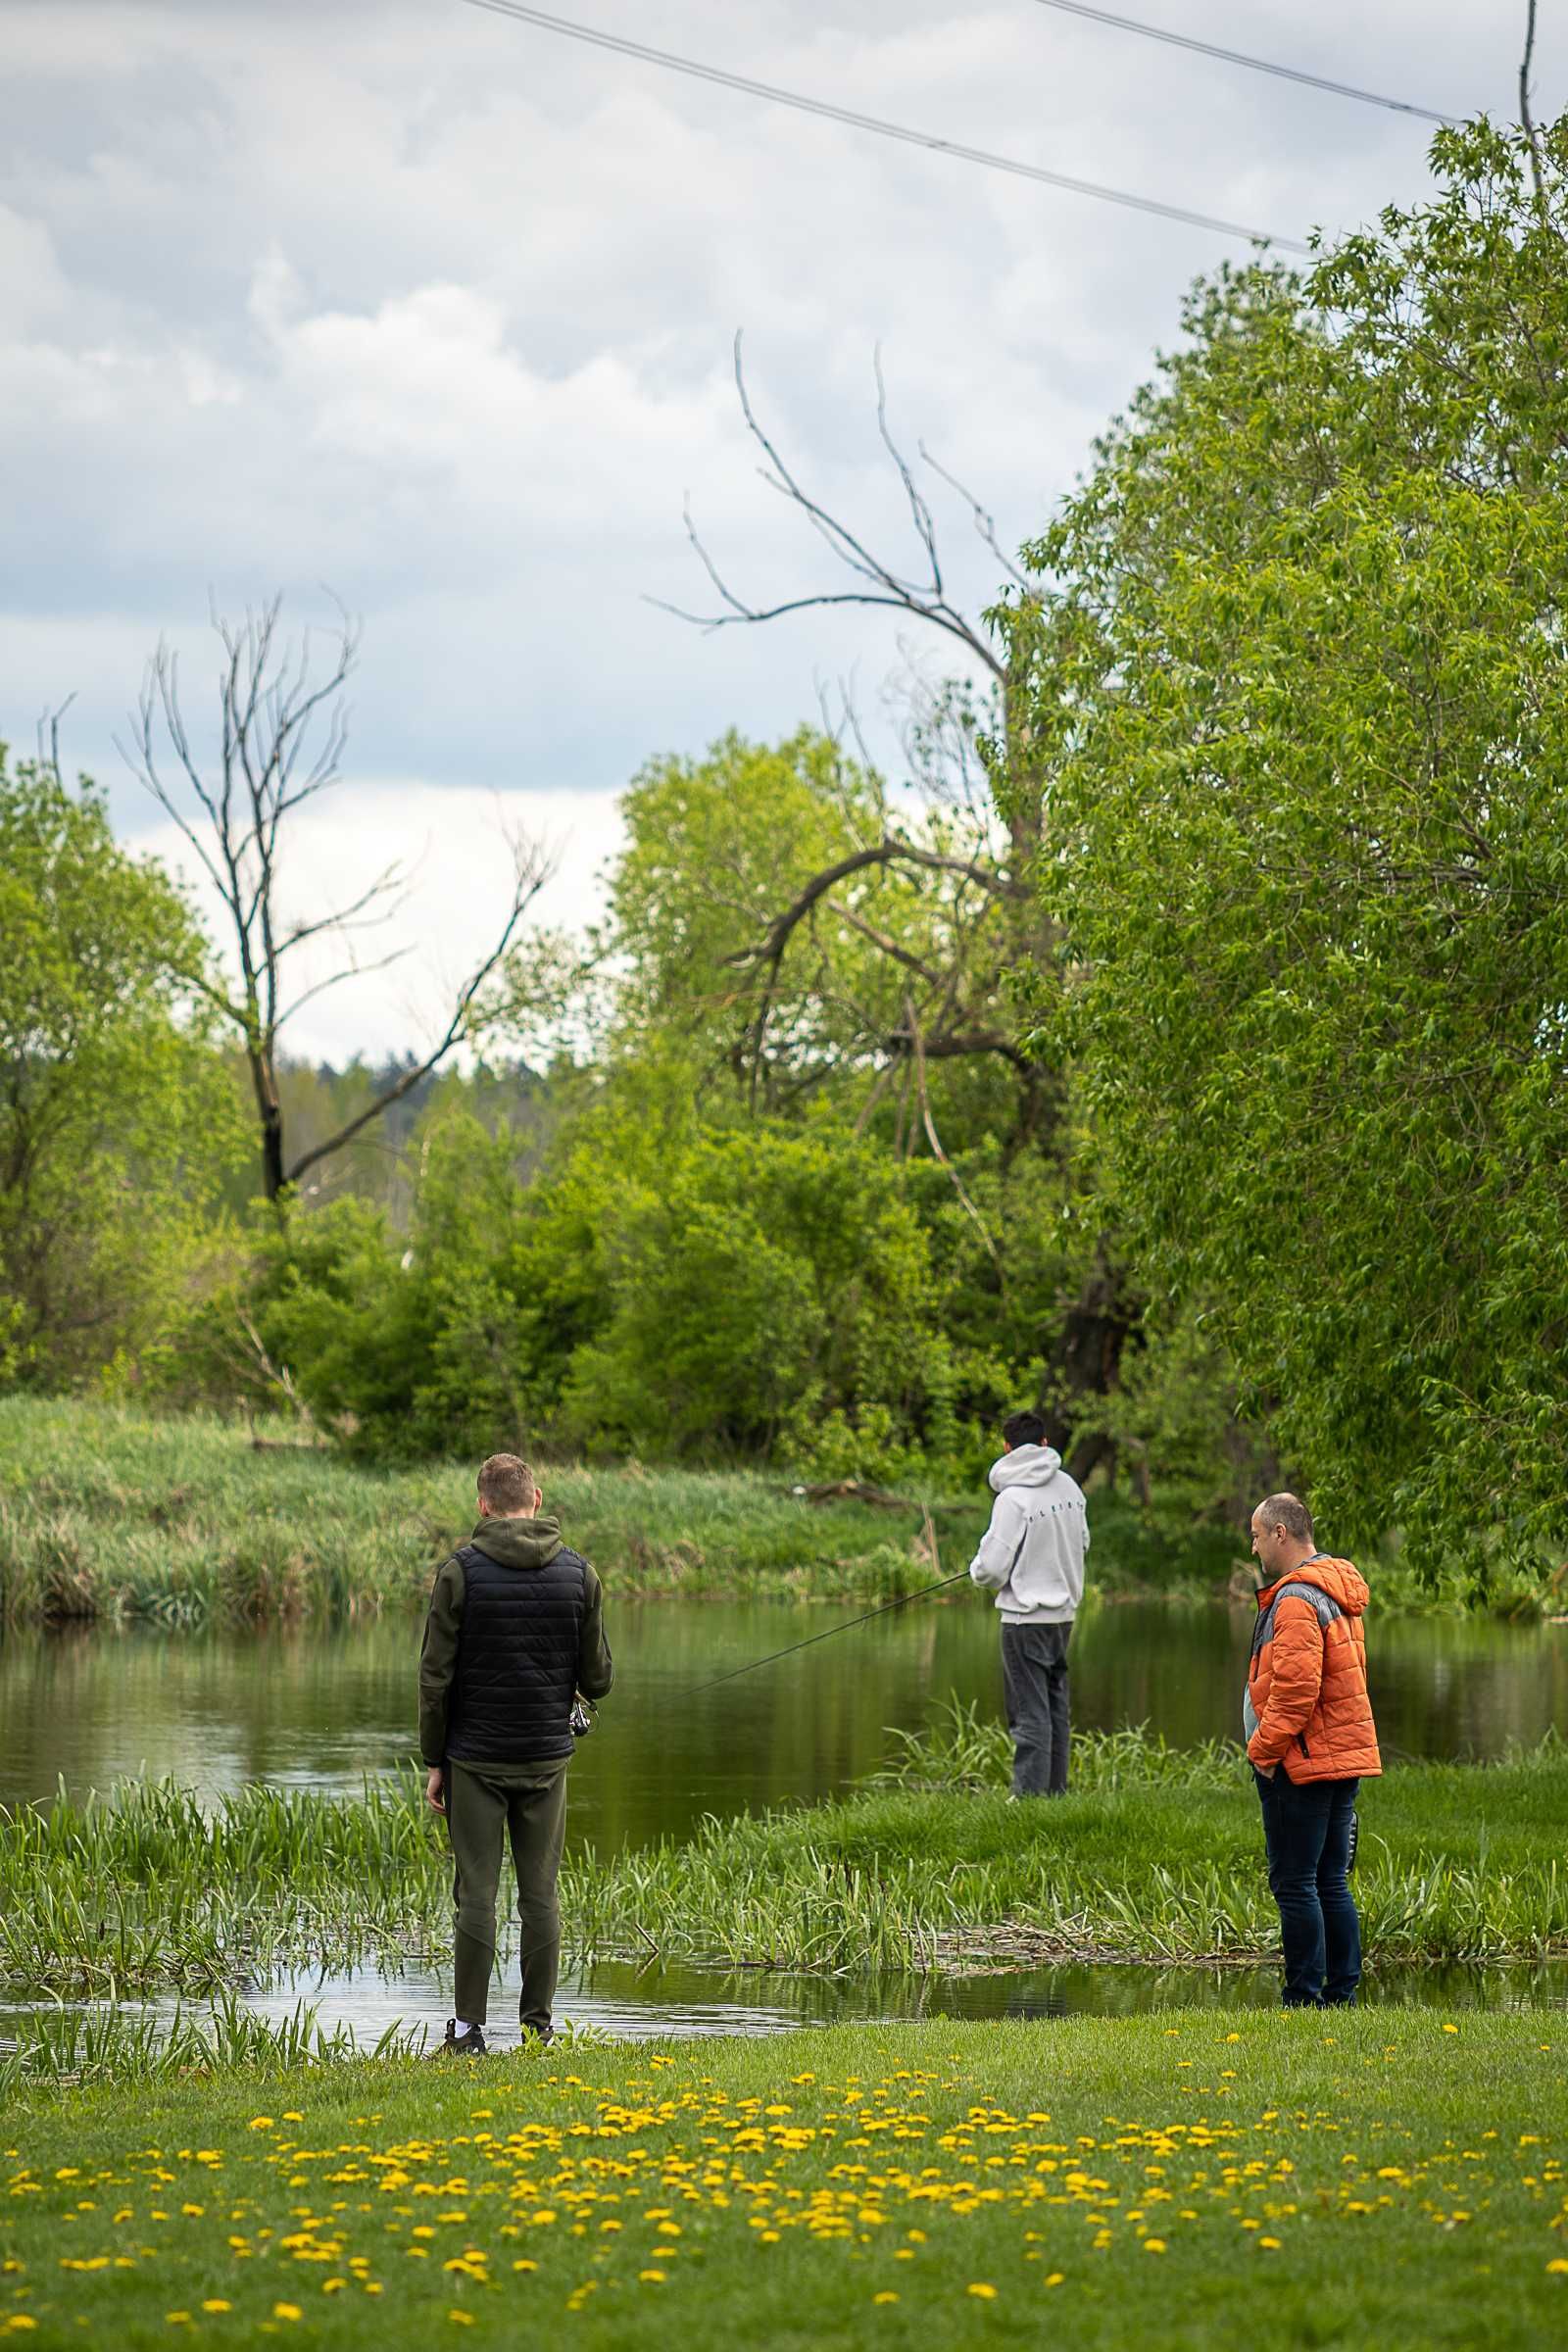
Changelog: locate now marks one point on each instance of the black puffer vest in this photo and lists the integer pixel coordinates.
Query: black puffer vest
(517, 1667)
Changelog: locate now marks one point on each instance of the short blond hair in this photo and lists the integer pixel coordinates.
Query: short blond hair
(506, 1484)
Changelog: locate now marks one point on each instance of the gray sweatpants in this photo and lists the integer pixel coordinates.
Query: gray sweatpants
(1034, 1683)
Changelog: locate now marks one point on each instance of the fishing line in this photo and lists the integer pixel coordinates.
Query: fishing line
(846, 1627)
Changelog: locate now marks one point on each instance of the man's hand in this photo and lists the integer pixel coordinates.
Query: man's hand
(434, 1793)
(1268, 1770)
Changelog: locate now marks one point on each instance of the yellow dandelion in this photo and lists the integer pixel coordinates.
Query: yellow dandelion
(287, 2310)
(1450, 2029)
(1154, 2245)
(216, 2303)
(655, 2278)
(1055, 2277)
(259, 2122)
(20, 2321)
(1560, 2266)
(1272, 2243)
(461, 2319)
(978, 2287)
(523, 2264)
(886, 2296)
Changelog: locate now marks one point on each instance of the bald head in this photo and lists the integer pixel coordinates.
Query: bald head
(1281, 1535)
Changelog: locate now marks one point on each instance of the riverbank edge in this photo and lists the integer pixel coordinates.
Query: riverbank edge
(110, 1517)
(1398, 2178)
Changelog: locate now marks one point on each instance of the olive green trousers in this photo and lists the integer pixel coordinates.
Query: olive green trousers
(488, 1804)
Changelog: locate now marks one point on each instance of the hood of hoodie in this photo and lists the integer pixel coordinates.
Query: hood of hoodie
(517, 1543)
(1341, 1580)
(1025, 1466)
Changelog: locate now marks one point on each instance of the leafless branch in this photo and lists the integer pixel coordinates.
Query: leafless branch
(49, 738)
(769, 951)
(274, 1375)
(985, 522)
(881, 941)
(1536, 162)
(532, 871)
(929, 1122)
(883, 585)
(889, 851)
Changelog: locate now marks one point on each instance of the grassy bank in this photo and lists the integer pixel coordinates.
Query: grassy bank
(1121, 2183)
(1154, 1855)
(107, 1514)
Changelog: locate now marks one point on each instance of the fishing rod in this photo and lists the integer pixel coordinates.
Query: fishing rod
(846, 1627)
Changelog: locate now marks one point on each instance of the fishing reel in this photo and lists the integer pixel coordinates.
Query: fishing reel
(581, 1718)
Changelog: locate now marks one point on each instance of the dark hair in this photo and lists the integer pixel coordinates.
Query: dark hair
(1287, 1511)
(1024, 1429)
(505, 1484)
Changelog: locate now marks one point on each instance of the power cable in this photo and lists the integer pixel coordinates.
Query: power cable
(848, 1625)
(1239, 56)
(596, 38)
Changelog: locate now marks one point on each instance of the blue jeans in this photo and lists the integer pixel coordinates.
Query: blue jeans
(1306, 1830)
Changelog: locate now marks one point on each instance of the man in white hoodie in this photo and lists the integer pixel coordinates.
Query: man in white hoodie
(1032, 1557)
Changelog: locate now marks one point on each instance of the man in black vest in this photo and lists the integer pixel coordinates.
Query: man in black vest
(516, 1631)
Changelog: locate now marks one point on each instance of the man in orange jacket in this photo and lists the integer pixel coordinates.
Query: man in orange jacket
(1311, 1741)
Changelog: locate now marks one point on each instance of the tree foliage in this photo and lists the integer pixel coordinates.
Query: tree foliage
(117, 1122)
(1300, 672)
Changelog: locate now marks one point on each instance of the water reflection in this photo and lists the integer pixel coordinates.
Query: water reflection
(680, 2003)
(326, 1707)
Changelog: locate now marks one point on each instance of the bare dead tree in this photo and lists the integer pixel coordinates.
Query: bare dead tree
(283, 727)
(1526, 118)
(994, 920)
(877, 581)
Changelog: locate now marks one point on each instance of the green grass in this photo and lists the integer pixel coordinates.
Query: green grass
(105, 1514)
(1156, 1856)
(1119, 2184)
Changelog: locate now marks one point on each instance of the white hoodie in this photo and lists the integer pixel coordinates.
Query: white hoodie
(1032, 1554)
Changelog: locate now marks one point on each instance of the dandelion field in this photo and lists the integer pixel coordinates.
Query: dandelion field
(1398, 2180)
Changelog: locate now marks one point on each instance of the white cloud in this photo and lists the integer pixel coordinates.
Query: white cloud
(437, 311)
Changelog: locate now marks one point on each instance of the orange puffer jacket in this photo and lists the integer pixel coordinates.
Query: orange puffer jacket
(1307, 1707)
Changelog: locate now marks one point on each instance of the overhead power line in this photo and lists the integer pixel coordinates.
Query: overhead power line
(626, 47)
(1239, 56)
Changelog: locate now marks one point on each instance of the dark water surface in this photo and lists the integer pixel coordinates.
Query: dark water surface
(323, 1708)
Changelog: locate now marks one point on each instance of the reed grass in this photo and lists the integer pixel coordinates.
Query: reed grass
(108, 1514)
(183, 1520)
(1156, 1856)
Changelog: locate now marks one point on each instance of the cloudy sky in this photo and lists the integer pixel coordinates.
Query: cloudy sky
(434, 310)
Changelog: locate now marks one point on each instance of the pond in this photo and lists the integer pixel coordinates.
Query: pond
(326, 1707)
(323, 1708)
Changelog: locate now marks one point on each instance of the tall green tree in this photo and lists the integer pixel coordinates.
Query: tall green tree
(117, 1119)
(1298, 666)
